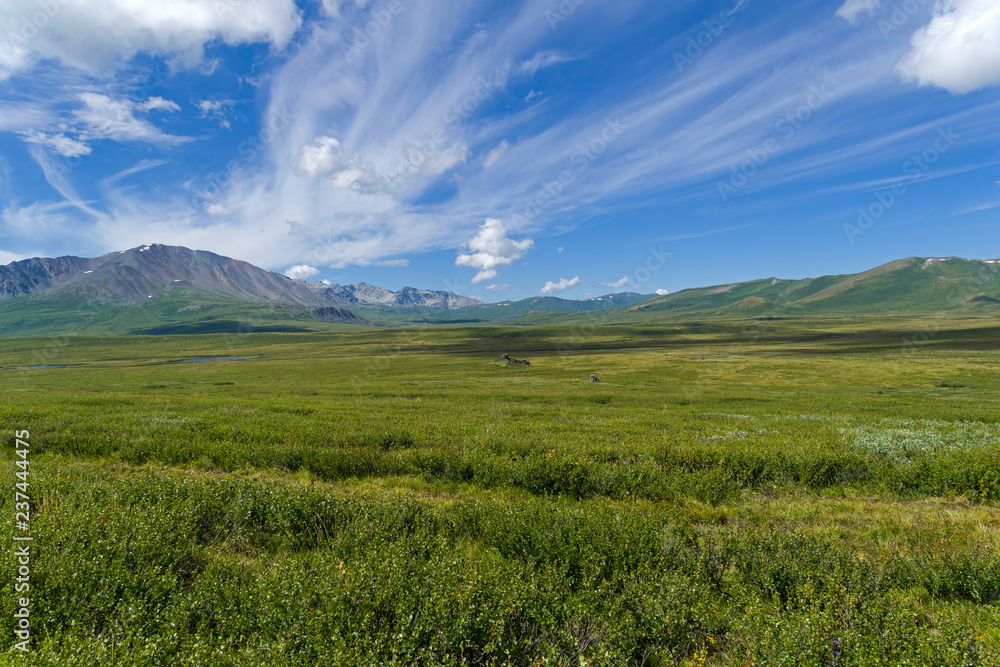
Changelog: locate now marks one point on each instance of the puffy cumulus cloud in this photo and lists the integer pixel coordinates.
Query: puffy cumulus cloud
(319, 158)
(662, 292)
(618, 284)
(91, 34)
(301, 272)
(496, 154)
(850, 10)
(959, 50)
(491, 248)
(327, 157)
(563, 284)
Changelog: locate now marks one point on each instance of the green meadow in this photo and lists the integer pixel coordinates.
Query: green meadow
(733, 492)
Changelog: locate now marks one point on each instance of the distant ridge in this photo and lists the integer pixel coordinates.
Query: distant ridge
(365, 294)
(912, 285)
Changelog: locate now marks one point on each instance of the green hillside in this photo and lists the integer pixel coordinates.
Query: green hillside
(905, 286)
(181, 310)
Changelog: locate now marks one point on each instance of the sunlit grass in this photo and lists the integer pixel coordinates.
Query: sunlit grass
(396, 497)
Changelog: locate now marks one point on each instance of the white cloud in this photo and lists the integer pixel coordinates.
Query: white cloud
(218, 110)
(208, 106)
(618, 284)
(959, 50)
(402, 92)
(850, 10)
(158, 104)
(333, 7)
(60, 143)
(475, 42)
(437, 161)
(320, 157)
(216, 209)
(662, 292)
(327, 157)
(541, 60)
(105, 117)
(491, 248)
(563, 284)
(301, 272)
(91, 34)
(16, 117)
(100, 117)
(496, 154)
(496, 288)
(8, 257)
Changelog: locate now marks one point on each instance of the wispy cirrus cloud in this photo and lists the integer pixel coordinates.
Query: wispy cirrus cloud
(618, 284)
(852, 9)
(436, 125)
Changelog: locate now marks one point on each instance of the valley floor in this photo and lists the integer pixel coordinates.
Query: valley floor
(790, 492)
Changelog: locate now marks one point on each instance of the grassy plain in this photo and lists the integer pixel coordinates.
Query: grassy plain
(734, 492)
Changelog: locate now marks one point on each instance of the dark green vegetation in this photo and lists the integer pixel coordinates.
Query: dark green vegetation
(504, 311)
(177, 310)
(734, 492)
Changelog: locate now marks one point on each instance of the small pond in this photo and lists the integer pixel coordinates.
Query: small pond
(198, 361)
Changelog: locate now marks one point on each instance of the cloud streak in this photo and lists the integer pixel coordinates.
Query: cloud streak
(563, 284)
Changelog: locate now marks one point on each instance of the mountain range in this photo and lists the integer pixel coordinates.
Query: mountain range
(160, 289)
(152, 270)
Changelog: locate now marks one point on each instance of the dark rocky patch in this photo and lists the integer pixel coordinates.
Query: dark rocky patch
(506, 358)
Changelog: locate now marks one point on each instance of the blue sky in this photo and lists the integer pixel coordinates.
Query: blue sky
(503, 149)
